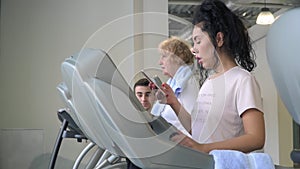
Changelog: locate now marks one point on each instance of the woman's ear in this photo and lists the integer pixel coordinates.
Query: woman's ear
(220, 39)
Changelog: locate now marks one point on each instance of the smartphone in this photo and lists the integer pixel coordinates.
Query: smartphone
(155, 80)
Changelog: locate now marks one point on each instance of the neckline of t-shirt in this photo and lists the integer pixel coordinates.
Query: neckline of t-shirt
(229, 70)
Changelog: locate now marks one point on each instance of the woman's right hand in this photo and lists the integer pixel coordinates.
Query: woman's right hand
(167, 96)
(159, 94)
(170, 97)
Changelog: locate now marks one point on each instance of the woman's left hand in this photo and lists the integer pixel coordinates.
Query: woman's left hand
(187, 141)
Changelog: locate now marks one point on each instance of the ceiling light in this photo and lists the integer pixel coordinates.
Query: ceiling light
(265, 17)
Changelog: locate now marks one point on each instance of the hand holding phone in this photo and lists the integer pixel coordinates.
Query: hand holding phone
(155, 80)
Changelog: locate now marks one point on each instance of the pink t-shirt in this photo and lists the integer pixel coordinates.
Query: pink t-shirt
(221, 102)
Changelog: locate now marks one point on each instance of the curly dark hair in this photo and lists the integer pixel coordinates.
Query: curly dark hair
(216, 17)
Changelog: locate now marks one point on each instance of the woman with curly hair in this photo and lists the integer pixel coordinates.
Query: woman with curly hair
(228, 114)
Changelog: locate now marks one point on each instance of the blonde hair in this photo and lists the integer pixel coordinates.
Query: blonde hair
(178, 48)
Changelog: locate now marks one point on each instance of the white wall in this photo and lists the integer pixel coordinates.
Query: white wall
(277, 120)
(36, 36)
(269, 94)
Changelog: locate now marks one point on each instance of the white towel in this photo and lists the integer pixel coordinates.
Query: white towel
(231, 159)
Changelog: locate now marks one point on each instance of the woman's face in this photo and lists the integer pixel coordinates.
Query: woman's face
(203, 49)
(168, 64)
